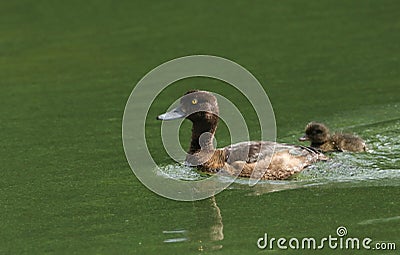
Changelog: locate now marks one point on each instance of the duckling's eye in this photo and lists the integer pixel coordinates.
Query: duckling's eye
(194, 101)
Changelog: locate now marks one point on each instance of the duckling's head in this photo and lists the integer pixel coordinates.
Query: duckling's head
(195, 105)
(315, 132)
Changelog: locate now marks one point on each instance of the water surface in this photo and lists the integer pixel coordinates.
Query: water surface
(67, 69)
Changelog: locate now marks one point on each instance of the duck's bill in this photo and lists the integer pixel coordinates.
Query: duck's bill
(174, 114)
(303, 138)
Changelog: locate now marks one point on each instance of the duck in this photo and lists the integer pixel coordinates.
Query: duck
(319, 136)
(262, 160)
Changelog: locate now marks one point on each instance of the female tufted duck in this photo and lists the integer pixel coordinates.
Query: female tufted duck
(321, 139)
(256, 159)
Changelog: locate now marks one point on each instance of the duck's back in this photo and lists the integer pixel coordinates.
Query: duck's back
(249, 152)
(269, 160)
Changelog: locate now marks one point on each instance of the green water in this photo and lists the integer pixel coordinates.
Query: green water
(67, 69)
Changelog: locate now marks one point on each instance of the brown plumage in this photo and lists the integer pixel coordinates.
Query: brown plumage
(321, 139)
(256, 159)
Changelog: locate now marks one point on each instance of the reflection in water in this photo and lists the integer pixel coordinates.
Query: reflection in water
(216, 233)
(207, 231)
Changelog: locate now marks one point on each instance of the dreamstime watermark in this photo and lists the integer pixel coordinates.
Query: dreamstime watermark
(145, 93)
(338, 241)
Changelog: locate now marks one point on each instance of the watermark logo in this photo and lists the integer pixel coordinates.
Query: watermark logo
(341, 231)
(339, 241)
(145, 93)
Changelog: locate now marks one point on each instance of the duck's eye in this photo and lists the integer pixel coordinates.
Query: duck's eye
(194, 101)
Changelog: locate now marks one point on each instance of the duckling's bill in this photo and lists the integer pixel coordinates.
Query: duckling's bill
(304, 138)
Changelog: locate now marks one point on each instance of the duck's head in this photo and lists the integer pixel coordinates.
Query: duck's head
(195, 105)
(315, 132)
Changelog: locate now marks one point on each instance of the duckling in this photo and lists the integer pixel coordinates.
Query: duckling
(321, 139)
(254, 159)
